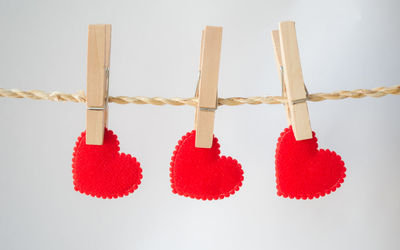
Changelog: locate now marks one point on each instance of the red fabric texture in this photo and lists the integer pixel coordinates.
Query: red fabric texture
(102, 171)
(304, 171)
(201, 173)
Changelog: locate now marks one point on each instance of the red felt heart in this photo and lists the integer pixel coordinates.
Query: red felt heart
(201, 173)
(304, 171)
(102, 171)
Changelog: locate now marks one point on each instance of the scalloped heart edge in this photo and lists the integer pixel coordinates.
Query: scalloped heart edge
(202, 197)
(319, 194)
(76, 188)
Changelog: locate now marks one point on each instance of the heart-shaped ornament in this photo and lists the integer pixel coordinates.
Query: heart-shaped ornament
(201, 173)
(304, 171)
(102, 171)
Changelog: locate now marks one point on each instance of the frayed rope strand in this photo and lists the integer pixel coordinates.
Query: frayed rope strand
(231, 101)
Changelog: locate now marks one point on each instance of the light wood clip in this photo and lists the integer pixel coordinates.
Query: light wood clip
(207, 89)
(98, 64)
(289, 67)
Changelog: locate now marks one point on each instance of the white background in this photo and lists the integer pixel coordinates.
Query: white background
(155, 52)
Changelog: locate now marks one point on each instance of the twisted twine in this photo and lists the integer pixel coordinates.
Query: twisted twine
(178, 101)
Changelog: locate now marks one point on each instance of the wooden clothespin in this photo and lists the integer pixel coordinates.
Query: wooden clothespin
(207, 87)
(289, 67)
(98, 64)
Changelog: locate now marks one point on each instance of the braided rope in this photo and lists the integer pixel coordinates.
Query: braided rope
(231, 101)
